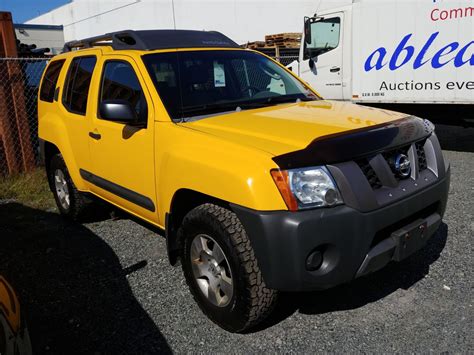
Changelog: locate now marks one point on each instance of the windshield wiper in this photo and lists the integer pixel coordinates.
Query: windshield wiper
(190, 111)
(283, 99)
(209, 108)
(218, 107)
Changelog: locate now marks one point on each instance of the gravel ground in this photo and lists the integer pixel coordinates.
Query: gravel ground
(107, 287)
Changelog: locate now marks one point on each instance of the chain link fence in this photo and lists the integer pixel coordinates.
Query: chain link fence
(287, 59)
(19, 82)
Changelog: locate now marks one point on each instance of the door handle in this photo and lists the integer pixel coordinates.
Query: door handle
(335, 70)
(95, 136)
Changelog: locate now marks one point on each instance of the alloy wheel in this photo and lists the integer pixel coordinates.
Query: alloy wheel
(211, 270)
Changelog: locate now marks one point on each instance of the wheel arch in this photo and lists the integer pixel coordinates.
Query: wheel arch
(183, 201)
(48, 150)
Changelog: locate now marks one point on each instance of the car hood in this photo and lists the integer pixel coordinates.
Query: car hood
(285, 128)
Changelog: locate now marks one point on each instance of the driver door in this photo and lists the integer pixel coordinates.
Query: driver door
(322, 60)
(123, 169)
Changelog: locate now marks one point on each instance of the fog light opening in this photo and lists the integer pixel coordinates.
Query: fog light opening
(331, 197)
(314, 261)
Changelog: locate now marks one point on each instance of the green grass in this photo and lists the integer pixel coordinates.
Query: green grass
(30, 189)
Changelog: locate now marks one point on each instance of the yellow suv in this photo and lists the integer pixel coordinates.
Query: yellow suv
(259, 184)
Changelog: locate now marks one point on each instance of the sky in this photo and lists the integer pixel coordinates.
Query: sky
(23, 10)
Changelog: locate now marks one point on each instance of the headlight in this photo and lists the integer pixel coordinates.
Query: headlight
(307, 188)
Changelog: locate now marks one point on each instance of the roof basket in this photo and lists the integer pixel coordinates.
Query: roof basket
(154, 39)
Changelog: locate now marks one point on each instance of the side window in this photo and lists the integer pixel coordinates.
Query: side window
(325, 36)
(119, 82)
(50, 80)
(76, 90)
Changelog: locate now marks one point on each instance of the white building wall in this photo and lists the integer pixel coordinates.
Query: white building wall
(241, 20)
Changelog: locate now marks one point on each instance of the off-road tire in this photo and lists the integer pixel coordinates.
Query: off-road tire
(79, 201)
(251, 301)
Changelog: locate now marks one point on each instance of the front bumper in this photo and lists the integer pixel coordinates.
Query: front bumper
(352, 243)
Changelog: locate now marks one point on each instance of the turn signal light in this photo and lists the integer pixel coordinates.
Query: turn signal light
(281, 179)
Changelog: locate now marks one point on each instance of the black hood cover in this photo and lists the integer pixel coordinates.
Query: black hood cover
(356, 144)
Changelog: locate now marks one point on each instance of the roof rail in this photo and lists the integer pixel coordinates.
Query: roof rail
(154, 39)
(125, 38)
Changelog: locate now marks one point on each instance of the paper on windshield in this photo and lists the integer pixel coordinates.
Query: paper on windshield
(219, 75)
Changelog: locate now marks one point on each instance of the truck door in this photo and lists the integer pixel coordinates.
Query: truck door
(321, 60)
(74, 107)
(122, 154)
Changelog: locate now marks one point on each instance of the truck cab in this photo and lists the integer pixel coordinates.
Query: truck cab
(325, 53)
(412, 56)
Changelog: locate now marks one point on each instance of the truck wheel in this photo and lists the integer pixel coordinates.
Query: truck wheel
(71, 202)
(221, 270)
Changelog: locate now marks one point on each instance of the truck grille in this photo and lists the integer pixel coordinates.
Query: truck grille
(420, 152)
(369, 173)
(390, 156)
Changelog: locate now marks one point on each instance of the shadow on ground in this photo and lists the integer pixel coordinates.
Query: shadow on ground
(365, 290)
(72, 288)
(456, 138)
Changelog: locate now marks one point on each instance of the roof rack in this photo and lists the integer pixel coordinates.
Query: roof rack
(154, 39)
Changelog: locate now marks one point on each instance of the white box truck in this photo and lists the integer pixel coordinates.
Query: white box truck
(414, 56)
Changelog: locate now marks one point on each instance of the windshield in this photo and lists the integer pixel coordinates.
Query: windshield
(200, 83)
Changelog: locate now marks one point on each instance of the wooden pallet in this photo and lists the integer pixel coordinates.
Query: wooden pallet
(286, 44)
(284, 36)
(283, 40)
(256, 44)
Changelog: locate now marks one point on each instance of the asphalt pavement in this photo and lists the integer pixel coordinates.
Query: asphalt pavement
(107, 287)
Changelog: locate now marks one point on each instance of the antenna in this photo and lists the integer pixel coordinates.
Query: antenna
(319, 5)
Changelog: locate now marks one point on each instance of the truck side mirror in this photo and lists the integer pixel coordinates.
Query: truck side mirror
(307, 29)
(118, 111)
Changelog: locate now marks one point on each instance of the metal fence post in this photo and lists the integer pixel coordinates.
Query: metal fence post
(7, 48)
(13, 117)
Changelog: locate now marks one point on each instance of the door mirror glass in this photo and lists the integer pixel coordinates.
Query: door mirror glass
(119, 111)
(324, 37)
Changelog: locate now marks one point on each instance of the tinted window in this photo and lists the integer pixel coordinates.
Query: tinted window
(200, 83)
(50, 80)
(77, 84)
(119, 82)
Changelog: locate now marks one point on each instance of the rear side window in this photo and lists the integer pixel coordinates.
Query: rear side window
(119, 82)
(50, 80)
(76, 90)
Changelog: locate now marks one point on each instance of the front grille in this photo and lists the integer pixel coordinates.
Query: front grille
(390, 156)
(369, 173)
(420, 152)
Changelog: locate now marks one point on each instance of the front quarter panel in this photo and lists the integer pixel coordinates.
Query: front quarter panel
(189, 159)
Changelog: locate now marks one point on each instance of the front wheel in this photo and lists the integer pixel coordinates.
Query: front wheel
(221, 270)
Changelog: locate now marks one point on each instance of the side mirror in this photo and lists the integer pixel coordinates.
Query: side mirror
(307, 29)
(119, 111)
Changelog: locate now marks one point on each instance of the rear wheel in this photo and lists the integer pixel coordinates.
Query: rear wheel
(71, 202)
(221, 269)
